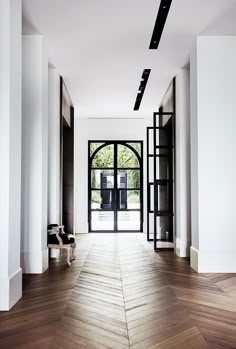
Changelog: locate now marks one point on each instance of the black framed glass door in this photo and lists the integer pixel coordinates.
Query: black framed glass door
(115, 186)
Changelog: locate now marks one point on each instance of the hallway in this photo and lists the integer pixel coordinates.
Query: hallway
(119, 294)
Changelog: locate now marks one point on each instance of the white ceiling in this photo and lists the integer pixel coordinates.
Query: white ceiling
(100, 47)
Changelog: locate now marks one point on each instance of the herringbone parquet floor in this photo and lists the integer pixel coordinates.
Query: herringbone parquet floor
(119, 294)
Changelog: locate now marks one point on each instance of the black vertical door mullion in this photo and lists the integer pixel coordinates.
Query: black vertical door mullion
(116, 192)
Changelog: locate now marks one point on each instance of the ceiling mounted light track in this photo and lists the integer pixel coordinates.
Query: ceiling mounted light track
(142, 87)
(160, 23)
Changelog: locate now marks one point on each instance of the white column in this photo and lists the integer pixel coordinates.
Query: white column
(34, 154)
(53, 146)
(10, 152)
(53, 150)
(182, 125)
(194, 160)
(213, 144)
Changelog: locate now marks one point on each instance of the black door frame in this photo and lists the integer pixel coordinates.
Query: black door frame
(169, 213)
(115, 209)
(150, 184)
(153, 153)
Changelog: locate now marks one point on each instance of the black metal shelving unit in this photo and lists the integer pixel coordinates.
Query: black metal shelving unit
(162, 182)
(150, 183)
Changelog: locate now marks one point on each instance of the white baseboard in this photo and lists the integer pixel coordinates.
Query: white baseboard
(10, 290)
(33, 263)
(208, 261)
(44, 260)
(54, 253)
(182, 247)
(217, 261)
(194, 258)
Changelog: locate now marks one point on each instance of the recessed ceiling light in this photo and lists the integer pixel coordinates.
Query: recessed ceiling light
(142, 87)
(160, 23)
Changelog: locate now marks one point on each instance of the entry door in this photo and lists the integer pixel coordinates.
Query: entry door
(115, 191)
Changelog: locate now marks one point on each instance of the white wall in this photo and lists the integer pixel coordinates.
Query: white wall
(214, 139)
(34, 155)
(53, 146)
(194, 149)
(10, 152)
(182, 151)
(100, 129)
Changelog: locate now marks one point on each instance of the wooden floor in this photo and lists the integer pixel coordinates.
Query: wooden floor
(120, 294)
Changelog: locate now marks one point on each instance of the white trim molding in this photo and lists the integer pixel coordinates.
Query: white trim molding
(32, 265)
(182, 247)
(194, 258)
(217, 261)
(212, 261)
(54, 253)
(10, 290)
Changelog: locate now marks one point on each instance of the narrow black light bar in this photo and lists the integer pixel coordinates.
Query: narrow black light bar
(142, 87)
(160, 23)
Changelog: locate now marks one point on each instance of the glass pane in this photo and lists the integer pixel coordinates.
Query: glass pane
(101, 199)
(162, 137)
(128, 179)
(151, 169)
(102, 220)
(104, 157)
(166, 119)
(129, 199)
(163, 151)
(102, 179)
(94, 146)
(150, 132)
(152, 197)
(136, 146)
(126, 157)
(151, 225)
(162, 167)
(128, 220)
(163, 197)
(163, 228)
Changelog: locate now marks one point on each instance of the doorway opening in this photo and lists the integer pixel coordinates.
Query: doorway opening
(66, 160)
(115, 186)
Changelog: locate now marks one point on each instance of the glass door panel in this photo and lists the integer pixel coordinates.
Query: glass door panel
(103, 156)
(102, 199)
(163, 197)
(162, 167)
(129, 199)
(126, 157)
(102, 221)
(128, 179)
(115, 186)
(128, 220)
(103, 179)
(163, 228)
